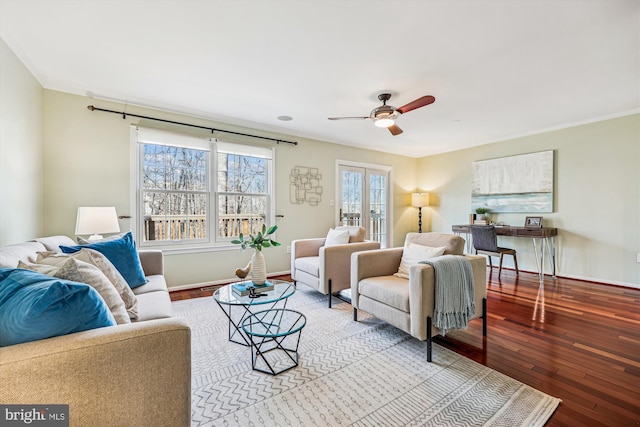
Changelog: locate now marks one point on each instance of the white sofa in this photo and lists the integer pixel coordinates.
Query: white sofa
(129, 374)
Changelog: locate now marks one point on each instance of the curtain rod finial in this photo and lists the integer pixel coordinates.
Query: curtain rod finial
(91, 108)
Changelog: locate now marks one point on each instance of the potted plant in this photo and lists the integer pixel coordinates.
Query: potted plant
(480, 212)
(261, 240)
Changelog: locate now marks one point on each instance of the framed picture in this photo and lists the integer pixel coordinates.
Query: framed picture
(521, 183)
(533, 221)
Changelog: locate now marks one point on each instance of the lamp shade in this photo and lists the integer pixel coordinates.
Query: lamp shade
(420, 200)
(96, 220)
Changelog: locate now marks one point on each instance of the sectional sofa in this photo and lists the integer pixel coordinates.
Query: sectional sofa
(132, 374)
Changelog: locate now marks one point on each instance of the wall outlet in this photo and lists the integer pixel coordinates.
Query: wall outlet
(638, 257)
(289, 250)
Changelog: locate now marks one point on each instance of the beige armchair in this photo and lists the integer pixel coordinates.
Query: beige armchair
(408, 304)
(327, 268)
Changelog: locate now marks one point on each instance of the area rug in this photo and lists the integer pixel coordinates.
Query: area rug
(363, 373)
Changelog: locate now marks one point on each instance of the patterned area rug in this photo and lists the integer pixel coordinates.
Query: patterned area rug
(363, 373)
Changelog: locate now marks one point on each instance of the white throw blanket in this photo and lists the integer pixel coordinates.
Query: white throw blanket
(454, 292)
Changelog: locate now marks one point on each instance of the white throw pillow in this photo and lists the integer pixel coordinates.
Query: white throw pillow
(413, 254)
(337, 237)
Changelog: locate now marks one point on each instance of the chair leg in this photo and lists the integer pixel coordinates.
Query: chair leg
(330, 294)
(429, 339)
(484, 317)
(500, 267)
(355, 314)
(515, 262)
(490, 262)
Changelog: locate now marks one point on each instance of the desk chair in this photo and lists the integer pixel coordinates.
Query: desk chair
(485, 242)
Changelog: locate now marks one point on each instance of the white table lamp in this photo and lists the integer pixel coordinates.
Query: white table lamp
(95, 220)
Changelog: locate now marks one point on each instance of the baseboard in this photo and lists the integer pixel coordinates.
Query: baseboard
(219, 282)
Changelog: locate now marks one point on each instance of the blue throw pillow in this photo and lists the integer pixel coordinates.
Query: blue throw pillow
(123, 255)
(34, 306)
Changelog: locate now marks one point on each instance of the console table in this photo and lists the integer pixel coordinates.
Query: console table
(542, 234)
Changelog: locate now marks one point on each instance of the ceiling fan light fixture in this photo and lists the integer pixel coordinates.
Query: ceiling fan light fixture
(384, 122)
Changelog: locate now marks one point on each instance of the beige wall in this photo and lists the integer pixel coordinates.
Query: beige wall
(55, 155)
(597, 196)
(21, 171)
(87, 161)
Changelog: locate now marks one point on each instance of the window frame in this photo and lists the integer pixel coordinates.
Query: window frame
(211, 242)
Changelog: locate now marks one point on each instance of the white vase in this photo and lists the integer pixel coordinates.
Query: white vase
(258, 268)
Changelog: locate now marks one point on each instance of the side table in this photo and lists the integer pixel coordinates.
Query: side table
(275, 337)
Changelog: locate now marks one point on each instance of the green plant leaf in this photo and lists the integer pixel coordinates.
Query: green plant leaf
(272, 229)
(236, 242)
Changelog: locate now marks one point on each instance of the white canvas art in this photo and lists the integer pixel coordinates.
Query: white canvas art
(522, 183)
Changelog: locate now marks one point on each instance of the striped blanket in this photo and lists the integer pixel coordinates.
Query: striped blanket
(454, 292)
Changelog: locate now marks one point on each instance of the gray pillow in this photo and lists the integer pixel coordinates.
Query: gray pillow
(99, 260)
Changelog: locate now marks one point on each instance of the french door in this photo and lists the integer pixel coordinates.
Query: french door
(364, 199)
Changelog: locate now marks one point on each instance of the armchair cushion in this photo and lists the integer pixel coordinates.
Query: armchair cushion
(356, 234)
(309, 265)
(413, 254)
(394, 291)
(336, 237)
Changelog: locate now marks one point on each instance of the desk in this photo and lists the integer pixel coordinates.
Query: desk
(543, 234)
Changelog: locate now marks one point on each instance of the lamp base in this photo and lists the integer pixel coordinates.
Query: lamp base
(95, 238)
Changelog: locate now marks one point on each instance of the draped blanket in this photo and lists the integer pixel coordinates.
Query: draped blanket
(454, 292)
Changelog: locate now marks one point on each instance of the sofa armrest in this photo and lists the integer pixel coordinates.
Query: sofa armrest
(152, 261)
(122, 375)
(373, 263)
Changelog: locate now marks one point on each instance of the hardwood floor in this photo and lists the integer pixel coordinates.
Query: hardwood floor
(575, 340)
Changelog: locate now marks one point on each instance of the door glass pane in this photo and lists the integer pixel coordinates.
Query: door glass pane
(351, 198)
(378, 208)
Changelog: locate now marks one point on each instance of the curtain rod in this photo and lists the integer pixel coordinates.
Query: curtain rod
(125, 114)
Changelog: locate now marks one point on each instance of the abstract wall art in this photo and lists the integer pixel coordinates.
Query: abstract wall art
(522, 183)
(305, 186)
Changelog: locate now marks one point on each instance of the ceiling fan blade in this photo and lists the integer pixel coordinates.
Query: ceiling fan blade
(348, 118)
(395, 130)
(420, 102)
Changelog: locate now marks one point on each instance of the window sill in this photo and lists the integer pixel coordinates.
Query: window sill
(173, 250)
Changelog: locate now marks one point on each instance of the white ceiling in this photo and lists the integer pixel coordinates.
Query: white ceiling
(498, 69)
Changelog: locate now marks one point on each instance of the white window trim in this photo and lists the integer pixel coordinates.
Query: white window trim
(212, 245)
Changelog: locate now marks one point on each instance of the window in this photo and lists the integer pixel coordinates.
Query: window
(187, 184)
(243, 189)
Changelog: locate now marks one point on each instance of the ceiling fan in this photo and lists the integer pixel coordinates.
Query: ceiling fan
(385, 115)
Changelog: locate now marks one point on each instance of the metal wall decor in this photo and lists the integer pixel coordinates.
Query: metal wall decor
(305, 186)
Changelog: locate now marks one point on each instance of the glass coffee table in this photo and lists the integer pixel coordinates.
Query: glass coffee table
(275, 337)
(245, 306)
